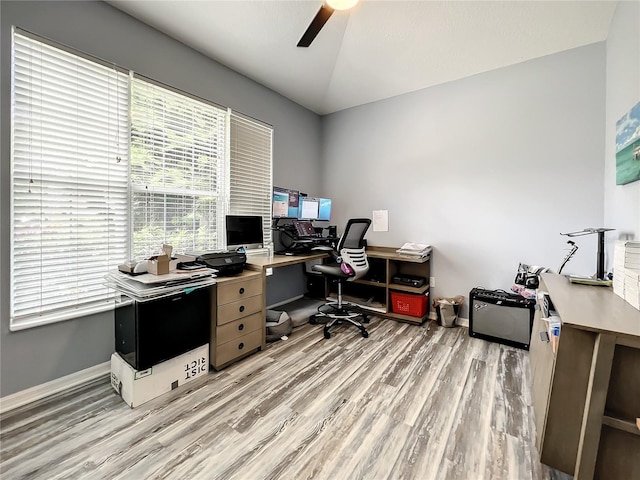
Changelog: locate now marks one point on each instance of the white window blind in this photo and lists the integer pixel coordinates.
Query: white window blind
(69, 182)
(250, 170)
(177, 170)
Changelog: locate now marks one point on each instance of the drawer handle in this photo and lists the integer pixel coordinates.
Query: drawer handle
(241, 290)
(242, 308)
(241, 346)
(241, 326)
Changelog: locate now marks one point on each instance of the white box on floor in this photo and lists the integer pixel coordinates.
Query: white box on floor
(139, 386)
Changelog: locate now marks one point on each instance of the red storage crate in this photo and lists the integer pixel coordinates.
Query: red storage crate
(409, 304)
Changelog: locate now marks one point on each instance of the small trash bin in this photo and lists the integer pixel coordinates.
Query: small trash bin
(447, 310)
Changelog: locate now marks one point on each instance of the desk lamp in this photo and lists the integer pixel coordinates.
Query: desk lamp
(600, 259)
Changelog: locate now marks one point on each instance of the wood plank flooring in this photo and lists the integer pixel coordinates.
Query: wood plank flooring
(407, 403)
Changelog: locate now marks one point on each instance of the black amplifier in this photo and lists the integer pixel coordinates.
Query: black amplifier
(501, 317)
(409, 280)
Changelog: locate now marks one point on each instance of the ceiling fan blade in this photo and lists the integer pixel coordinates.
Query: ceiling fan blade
(316, 25)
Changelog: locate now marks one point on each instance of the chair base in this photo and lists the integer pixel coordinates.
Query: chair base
(340, 314)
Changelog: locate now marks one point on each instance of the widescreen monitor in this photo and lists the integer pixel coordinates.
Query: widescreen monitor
(324, 211)
(309, 208)
(244, 231)
(285, 203)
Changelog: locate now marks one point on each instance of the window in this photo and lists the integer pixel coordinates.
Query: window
(250, 149)
(69, 190)
(177, 170)
(90, 191)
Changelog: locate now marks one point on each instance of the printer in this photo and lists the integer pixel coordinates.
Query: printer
(227, 263)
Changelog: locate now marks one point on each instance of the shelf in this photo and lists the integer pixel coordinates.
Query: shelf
(405, 288)
(625, 425)
(407, 318)
(370, 283)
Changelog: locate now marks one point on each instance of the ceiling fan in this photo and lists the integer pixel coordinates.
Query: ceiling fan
(326, 10)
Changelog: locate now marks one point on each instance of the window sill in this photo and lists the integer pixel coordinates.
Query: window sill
(32, 322)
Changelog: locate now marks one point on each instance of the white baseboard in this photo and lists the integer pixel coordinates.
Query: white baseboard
(284, 302)
(462, 322)
(58, 385)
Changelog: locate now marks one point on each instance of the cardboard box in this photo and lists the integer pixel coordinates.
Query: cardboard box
(158, 265)
(139, 386)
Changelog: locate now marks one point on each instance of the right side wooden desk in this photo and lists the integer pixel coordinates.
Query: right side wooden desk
(586, 395)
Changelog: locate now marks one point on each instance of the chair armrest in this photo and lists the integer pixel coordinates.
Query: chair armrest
(322, 248)
(335, 256)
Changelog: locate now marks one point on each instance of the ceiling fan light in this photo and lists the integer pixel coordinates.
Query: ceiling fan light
(341, 4)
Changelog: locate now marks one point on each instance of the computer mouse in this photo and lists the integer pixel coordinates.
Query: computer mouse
(141, 267)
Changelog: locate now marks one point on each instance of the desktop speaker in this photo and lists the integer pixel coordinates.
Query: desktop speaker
(501, 317)
(283, 238)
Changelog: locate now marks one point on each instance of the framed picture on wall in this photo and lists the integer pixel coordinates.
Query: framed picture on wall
(628, 147)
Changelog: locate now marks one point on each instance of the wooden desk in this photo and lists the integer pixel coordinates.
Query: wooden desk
(384, 263)
(586, 396)
(263, 261)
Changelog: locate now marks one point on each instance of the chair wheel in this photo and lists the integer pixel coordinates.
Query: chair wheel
(312, 320)
(327, 334)
(365, 334)
(365, 319)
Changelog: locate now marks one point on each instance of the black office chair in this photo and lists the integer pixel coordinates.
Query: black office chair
(351, 264)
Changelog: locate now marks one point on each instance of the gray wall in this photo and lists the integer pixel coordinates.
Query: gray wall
(488, 169)
(38, 355)
(621, 202)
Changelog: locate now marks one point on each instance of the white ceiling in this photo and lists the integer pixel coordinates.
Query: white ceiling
(379, 49)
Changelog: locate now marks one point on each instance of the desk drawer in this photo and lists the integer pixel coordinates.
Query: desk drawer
(241, 308)
(238, 347)
(231, 292)
(237, 328)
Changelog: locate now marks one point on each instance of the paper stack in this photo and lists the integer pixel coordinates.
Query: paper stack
(418, 250)
(632, 287)
(148, 287)
(626, 271)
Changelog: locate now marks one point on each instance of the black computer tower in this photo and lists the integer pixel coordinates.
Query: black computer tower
(501, 317)
(153, 331)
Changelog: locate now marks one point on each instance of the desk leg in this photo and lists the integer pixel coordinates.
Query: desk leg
(264, 309)
(594, 406)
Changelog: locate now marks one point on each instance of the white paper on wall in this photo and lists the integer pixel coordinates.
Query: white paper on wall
(381, 220)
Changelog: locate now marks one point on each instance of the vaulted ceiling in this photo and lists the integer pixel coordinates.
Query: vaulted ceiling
(377, 50)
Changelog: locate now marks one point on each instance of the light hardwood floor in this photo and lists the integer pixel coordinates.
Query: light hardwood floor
(407, 403)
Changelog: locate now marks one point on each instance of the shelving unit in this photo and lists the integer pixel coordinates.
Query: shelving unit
(373, 292)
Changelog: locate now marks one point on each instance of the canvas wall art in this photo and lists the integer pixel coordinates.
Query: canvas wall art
(628, 147)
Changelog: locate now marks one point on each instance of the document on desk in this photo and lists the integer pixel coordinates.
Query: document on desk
(150, 279)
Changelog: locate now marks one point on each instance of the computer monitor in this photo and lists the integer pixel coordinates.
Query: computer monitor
(285, 203)
(324, 211)
(309, 208)
(244, 231)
